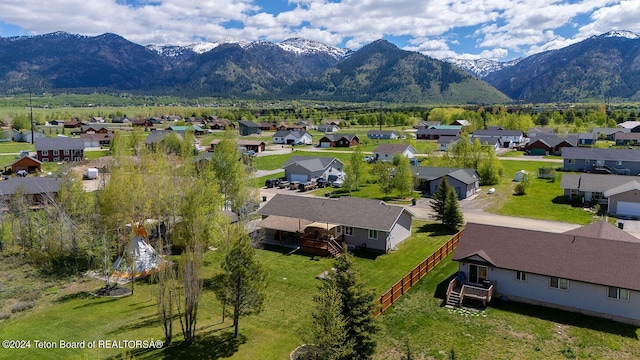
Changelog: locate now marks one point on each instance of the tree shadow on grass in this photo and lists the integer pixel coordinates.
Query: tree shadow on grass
(74, 296)
(567, 318)
(435, 229)
(441, 289)
(206, 346)
(145, 321)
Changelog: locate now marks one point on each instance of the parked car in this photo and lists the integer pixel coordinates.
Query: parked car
(293, 185)
(306, 186)
(283, 184)
(271, 183)
(322, 182)
(338, 183)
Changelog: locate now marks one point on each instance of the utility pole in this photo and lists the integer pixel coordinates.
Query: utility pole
(31, 118)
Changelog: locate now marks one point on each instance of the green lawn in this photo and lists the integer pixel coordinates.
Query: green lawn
(64, 308)
(506, 330)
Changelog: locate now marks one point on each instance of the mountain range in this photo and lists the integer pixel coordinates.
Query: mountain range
(600, 67)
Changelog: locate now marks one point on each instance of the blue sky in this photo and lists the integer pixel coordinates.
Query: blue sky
(495, 29)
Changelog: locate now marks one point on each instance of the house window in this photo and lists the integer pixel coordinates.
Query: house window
(477, 273)
(339, 230)
(521, 276)
(348, 230)
(56, 152)
(45, 160)
(558, 283)
(618, 293)
(56, 159)
(373, 234)
(619, 163)
(572, 161)
(587, 162)
(45, 152)
(66, 152)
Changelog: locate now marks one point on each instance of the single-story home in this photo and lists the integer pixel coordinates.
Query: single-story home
(256, 146)
(632, 126)
(588, 270)
(610, 161)
(246, 127)
(447, 142)
(627, 139)
(535, 132)
(322, 225)
(489, 142)
(289, 137)
(97, 139)
(306, 168)
(339, 140)
(39, 191)
(589, 187)
(624, 200)
(382, 134)
(465, 181)
(508, 138)
(435, 134)
(328, 128)
(27, 136)
(550, 144)
(386, 152)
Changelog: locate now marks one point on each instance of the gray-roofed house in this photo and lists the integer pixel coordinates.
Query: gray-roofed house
(155, 137)
(328, 128)
(447, 142)
(589, 270)
(382, 134)
(587, 187)
(246, 127)
(550, 144)
(508, 138)
(386, 152)
(633, 126)
(624, 200)
(339, 140)
(610, 161)
(290, 137)
(436, 133)
(39, 191)
(60, 148)
(306, 168)
(465, 181)
(626, 139)
(535, 132)
(609, 133)
(489, 142)
(321, 225)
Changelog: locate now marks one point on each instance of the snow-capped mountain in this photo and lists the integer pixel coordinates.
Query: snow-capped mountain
(481, 67)
(623, 34)
(303, 47)
(297, 46)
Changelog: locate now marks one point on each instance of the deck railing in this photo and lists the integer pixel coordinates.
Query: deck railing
(409, 280)
(478, 292)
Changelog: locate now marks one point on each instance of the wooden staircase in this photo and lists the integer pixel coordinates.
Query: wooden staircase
(334, 248)
(453, 300)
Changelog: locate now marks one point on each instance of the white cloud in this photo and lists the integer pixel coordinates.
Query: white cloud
(487, 28)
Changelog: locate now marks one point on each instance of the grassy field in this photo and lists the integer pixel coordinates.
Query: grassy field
(505, 330)
(63, 307)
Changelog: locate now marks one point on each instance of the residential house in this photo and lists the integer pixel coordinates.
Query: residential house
(322, 225)
(464, 181)
(550, 144)
(632, 126)
(386, 152)
(609, 133)
(627, 139)
(97, 139)
(120, 120)
(587, 270)
(246, 127)
(73, 124)
(489, 142)
(56, 122)
(306, 168)
(535, 132)
(256, 146)
(217, 123)
(461, 122)
(624, 200)
(285, 126)
(587, 139)
(142, 123)
(382, 134)
(328, 128)
(28, 164)
(155, 137)
(437, 133)
(38, 191)
(197, 130)
(268, 126)
(587, 187)
(508, 138)
(27, 136)
(96, 119)
(610, 161)
(308, 125)
(339, 140)
(447, 142)
(426, 124)
(95, 129)
(59, 149)
(292, 137)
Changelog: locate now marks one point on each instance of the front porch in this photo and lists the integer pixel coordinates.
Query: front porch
(458, 290)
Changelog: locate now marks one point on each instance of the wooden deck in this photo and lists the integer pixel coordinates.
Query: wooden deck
(457, 292)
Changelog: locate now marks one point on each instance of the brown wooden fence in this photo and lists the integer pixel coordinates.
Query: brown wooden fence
(408, 281)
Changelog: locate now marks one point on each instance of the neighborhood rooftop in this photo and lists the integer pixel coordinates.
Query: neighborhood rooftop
(350, 211)
(600, 154)
(310, 162)
(598, 253)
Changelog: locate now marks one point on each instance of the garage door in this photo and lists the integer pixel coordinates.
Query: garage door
(325, 144)
(297, 177)
(538, 152)
(628, 208)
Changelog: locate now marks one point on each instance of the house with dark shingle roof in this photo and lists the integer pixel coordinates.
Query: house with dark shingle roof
(626, 139)
(60, 148)
(589, 270)
(246, 127)
(610, 161)
(39, 191)
(306, 168)
(436, 133)
(550, 144)
(591, 187)
(382, 134)
(339, 140)
(465, 181)
(310, 222)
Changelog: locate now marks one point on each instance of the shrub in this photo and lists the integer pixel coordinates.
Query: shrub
(22, 306)
(519, 189)
(4, 316)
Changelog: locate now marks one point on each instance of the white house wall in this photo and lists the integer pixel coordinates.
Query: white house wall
(401, 230)
(581, 297)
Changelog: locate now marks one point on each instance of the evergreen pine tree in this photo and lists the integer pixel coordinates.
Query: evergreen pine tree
(452, 217)
(439, 199)
(357, 307)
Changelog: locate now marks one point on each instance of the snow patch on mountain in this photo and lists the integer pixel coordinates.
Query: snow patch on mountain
(623, 34)
(481, 67)
(301, 46)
